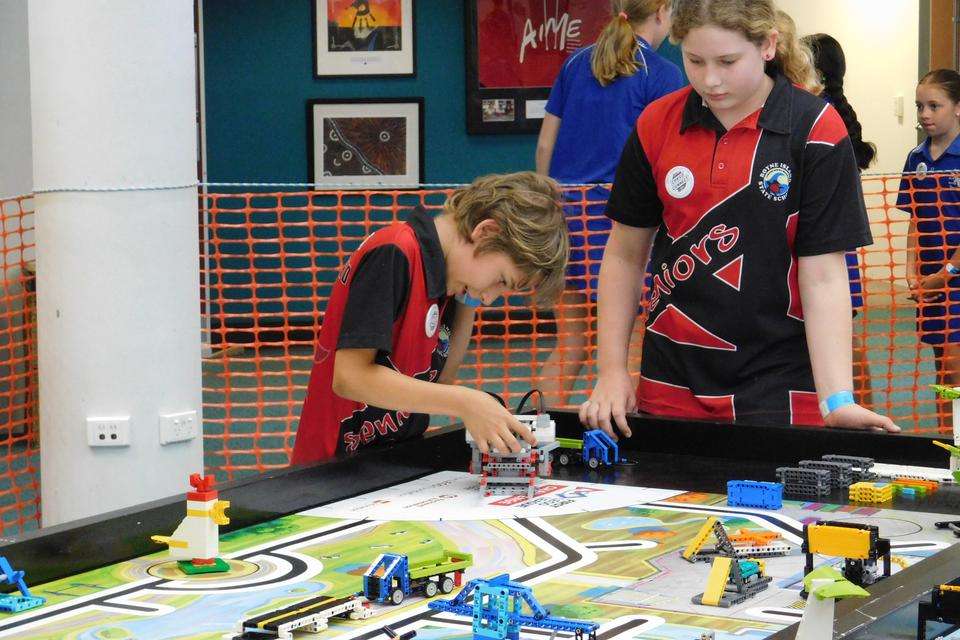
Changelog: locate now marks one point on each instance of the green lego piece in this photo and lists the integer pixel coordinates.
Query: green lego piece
(220, 566)
(945, 392)
(840, 588)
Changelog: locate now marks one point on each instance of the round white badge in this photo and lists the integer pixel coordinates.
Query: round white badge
(922, 170)
(679, 182)
(432, 320)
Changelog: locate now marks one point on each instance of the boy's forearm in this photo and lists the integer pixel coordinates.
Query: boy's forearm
(460, 334)
(379, 386)
(825, 294)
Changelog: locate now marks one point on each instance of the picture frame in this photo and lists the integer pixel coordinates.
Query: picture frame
(364, 38)
(363, 143)
(514, 52)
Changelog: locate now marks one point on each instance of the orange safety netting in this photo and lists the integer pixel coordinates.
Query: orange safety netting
(267, 266)
(19, 451)
(271, 259)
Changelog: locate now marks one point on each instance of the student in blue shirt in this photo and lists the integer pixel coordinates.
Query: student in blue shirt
(933, 201)
(593, 107)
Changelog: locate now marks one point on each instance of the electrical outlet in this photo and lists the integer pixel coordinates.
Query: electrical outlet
(177, 427)
(108, 432)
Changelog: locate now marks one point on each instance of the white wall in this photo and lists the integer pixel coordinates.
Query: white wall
(880, 39)
(16, 176)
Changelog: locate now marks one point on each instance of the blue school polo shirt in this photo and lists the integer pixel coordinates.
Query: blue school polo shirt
(936, 210)
(595, 121)
(934, 203)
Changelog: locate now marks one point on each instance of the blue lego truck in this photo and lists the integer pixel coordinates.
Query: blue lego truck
(595, 449)
(391, 577)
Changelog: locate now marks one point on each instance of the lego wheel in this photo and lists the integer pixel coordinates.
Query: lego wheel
(446, 585)
(593, 463)
(430, 589)
(564, 459)
(396, 596)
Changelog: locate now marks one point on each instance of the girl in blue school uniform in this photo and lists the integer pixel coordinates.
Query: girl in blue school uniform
(933, 201)
(593, 107)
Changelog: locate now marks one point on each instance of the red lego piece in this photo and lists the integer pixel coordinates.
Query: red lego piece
(203, 486)
(204, 561)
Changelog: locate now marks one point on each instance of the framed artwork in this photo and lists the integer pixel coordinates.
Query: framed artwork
(515, 49)
(363, 38)
(365, 142)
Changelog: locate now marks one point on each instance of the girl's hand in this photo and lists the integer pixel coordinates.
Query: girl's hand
(613, 396)
(929, 288)
(491, 425)
(853, 416)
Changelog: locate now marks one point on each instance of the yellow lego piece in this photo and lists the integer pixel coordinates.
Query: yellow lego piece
(170, 542)
(700, 539)
(844, 542)
(871, 492)
(950, 587)
(716, 581)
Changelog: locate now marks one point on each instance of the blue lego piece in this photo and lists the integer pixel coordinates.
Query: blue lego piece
(597, 445)
(378, 579)
(11, 603)
(497, 613)
(751, 493)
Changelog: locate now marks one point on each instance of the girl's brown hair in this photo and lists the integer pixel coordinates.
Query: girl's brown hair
(533, 232)
(615, 52)
(946, 79)
(755, 20)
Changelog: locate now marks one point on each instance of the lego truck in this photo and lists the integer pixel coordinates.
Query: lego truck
(392, 577)
(595, 449)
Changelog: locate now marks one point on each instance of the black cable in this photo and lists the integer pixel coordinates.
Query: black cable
(524, 399)
(499, 399)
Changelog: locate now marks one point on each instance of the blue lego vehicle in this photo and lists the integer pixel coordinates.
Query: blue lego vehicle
(391, 577)
(595, 449)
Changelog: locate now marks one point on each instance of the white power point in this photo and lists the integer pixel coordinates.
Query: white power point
(177, 427)
(108, 432)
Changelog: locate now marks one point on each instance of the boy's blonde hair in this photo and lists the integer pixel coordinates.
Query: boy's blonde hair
(533, 232)
(615, 52)
(754, 19)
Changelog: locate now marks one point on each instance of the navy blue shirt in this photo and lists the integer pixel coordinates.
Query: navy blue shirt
(933, 202)
(595, 121)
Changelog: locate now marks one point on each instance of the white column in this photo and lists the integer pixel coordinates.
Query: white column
(113, 106)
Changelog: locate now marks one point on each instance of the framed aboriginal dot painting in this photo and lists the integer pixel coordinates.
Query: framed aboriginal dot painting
(363, 143)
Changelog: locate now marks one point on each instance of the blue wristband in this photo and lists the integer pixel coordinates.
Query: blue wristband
(467, 299)
(834, 402)
(952, 270)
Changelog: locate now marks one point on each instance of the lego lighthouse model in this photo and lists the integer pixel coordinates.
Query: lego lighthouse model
(196, 542)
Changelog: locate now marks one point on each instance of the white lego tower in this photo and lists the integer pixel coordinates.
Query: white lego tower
(196, 542)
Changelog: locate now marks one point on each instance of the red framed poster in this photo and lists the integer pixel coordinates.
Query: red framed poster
(515, 49)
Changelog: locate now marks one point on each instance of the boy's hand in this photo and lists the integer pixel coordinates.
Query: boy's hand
(613, 396)
(492, 426)
(853, 416)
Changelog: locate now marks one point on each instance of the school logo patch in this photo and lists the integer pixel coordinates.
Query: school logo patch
(679, 182)
(775, 181)
(432, 320)
(922, 170)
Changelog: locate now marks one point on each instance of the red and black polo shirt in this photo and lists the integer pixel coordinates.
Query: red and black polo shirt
(734, 210)
(391, 296)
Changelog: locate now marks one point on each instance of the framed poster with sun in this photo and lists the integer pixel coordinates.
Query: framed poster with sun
(362, 143)
(363, 38)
